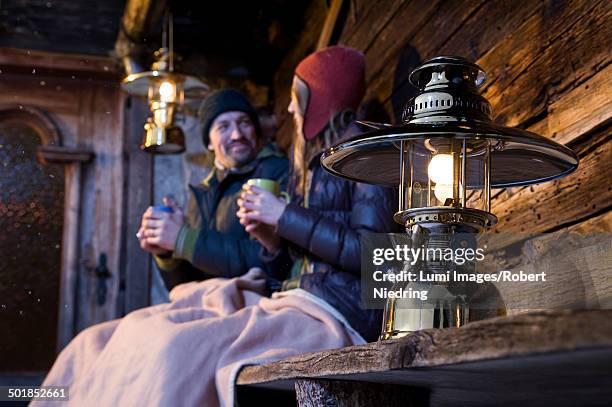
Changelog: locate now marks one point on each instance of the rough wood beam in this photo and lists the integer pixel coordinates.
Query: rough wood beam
(13, 59)
(140, 19)
(315, 17)
(63, 155)
(332, 21)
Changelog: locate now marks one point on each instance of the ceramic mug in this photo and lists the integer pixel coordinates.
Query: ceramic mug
(163, 208)
(269, 185)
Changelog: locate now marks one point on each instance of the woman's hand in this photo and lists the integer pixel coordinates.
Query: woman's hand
(259, 205)
(259, 212)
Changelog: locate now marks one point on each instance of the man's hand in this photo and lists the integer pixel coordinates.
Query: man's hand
(159, 230)
(153, 249)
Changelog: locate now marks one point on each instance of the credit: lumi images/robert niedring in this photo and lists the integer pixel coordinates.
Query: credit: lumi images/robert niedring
(421, 276)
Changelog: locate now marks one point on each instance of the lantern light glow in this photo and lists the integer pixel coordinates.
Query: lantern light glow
(167, 92)
(440, 169)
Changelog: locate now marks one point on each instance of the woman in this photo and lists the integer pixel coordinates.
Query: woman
(322, 225)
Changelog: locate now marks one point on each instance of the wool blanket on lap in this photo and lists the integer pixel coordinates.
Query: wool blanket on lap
(188, 352)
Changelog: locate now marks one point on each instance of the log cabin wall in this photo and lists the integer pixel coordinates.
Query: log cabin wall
(306, 44)
(548, 71)
(80, 95)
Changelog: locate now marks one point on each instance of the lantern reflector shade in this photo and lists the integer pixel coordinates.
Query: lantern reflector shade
(138, 84)
(518, 157)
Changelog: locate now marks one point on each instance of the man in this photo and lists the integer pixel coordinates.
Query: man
(208, 240)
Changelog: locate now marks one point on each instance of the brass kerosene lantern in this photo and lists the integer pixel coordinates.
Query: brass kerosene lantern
(166, 92)
(445, 157)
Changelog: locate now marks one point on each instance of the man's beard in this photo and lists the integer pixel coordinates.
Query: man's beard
(242, 157)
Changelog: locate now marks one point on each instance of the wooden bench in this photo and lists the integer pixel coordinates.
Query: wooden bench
(561, 358)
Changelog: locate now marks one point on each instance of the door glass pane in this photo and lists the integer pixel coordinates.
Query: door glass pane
(31, 217)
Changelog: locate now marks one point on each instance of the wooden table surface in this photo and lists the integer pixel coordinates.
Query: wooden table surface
(539, 358)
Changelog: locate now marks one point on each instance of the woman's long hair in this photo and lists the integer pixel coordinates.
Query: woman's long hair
(305, 150)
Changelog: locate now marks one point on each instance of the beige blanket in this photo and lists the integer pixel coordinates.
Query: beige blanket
(188, 352)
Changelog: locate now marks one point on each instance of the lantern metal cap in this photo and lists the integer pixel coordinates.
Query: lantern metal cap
(422, 75)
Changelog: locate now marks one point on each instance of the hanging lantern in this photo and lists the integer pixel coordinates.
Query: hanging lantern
(445, 157)
(166, 92)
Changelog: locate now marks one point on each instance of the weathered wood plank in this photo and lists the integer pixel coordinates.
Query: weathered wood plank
(137, 267)
(427, 20)
(512, 56)
(489, 25)
(63, 155)
(577, 261)
(140, 18)
(579, 111)
(108, 122)
(49, 61)
(67, 307)
(454, 30)
(506, 337)
(315, 16)
(375, 19)
(100, 129)
(582, 109)
(563, 379)
(359, 15)
(331, 21)
(58, 95)
(555, 70)
(87, 256)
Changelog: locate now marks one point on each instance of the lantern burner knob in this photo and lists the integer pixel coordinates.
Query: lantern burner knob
(448, 92)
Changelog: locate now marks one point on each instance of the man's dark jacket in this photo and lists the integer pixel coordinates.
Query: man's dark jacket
(213, 243)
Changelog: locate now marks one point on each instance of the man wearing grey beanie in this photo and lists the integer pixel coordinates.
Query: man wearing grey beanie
(207, 239)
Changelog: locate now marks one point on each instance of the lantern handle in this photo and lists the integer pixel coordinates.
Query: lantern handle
(168, 38)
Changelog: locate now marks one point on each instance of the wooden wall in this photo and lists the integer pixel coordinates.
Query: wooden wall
(306, 44)
(104, 198)
(81, 97)
(548, 71)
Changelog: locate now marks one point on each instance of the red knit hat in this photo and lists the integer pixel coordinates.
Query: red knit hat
(336, 80)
